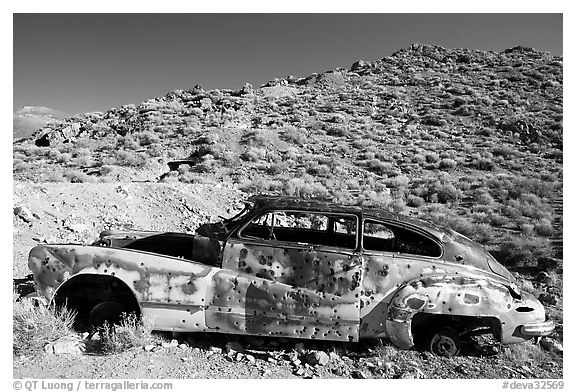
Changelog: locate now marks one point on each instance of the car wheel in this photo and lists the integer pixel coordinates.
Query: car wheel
(108, 311)
(443, 341)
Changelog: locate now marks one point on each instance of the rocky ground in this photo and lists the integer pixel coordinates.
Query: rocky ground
(471, 140)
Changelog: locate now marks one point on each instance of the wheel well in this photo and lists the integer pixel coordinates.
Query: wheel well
(464, 325)
(84, 291)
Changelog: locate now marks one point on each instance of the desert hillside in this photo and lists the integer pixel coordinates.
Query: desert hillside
(468, 139)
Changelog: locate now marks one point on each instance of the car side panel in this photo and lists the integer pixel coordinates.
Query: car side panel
(256, 306)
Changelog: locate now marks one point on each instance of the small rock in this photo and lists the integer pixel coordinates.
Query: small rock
(182, 345)
(149, 347)
(358, 374)
(66, 345)
(250, 358)
(173, 343)
(239, 357)
(526, 369)
(23, 213)
(299, 372)
(233, 347)
(414, 374)
(490, 350)
(543, 277)
(551, 345)
(76, 227)
(317, 358)
(296, 362)
(215, 350)
(334, 357)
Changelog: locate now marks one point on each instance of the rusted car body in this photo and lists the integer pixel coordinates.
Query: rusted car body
(298, 268)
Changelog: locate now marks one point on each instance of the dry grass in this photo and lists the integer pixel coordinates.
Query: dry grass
(35, 325)
(131, 332)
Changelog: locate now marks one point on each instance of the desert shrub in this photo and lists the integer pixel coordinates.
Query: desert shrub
(106, 170)
(292, 134)
(128, 158)
(76, 176)
(131, 332)
(375, 198)
(217, 150)
(523, 251)
(64, 158)
(415, 201)
(338, 130)
(434, 120)
(146, 138)
(320, 170)
(19, 165)
(447, 163)
(544, 228)
(129, 143)
(439, 192)
(431, 157)
(254, 154)
(498, 220)
(155, 150)
(83, 161)
(483, 197)
(305, 187)
(525, 353)
(378, 167)
(34, 326)
(504, 151)
(481, 163)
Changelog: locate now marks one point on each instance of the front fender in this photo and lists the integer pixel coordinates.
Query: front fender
(454, 295)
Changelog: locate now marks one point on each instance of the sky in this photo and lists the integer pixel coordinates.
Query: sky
(92, 62)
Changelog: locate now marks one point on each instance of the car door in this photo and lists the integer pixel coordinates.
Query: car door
(311, 257)
(394, 253)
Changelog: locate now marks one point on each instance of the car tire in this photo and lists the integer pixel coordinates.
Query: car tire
(106, 312)
(443, 341)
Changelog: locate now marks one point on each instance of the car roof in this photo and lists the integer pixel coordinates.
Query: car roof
(266, 202)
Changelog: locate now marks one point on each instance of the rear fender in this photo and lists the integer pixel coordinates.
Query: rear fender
(451, 295)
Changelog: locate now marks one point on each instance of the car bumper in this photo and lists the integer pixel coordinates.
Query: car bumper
(537, 329)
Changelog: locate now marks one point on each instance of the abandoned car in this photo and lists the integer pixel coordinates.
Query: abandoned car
(297, 268)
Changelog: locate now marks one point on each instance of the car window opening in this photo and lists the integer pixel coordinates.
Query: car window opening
(395, 239)
(316, 229)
